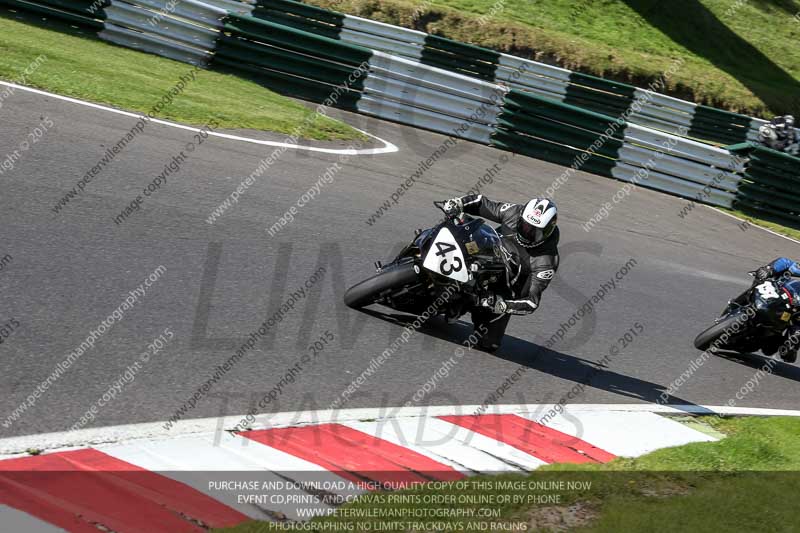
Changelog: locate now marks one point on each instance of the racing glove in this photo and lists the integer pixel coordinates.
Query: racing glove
(764, 273)
(454, 206)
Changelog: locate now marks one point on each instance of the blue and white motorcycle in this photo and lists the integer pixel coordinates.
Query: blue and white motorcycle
(760, 319)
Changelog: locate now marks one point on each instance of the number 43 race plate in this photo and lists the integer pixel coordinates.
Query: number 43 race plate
(445, 257)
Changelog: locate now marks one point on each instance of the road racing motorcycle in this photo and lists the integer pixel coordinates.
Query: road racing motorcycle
(760, 319)
(456, 266)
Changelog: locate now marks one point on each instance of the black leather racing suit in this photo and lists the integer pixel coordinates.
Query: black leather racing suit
(532, 268)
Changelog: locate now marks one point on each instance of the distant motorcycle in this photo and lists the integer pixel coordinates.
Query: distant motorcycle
(460, 263)
(759, 319)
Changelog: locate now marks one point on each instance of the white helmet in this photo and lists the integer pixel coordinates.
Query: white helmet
(538, 222)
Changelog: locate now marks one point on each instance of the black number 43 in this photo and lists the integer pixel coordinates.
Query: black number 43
(445, 267)
(444, 249)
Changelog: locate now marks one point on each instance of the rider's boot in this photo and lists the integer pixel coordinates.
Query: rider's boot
(790, 347)
(489, 329)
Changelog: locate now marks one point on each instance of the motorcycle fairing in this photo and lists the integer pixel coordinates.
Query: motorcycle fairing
(772, 303)
(446, 256)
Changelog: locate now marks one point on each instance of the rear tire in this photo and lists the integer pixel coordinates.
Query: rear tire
(706, 339)
(366, 292)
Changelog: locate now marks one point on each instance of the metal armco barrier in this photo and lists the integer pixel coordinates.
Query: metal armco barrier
(73, 11)
(771, 183)
(452, 88)
(572, 136)
(652, 110)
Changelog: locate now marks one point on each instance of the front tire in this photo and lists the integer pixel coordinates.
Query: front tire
(369, 290)
(710, 337)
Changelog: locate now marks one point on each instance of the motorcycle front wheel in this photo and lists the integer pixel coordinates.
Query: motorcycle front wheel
(369, 290)
(709, 337)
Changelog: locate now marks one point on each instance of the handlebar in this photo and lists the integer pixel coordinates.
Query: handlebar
(459, 217)
(440, 206)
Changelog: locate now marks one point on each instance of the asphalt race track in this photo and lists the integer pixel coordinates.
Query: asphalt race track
(70, 270)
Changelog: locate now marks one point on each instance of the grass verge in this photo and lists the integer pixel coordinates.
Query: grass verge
(741, 56)
(747, 481)
(79, 65)
(777, 227)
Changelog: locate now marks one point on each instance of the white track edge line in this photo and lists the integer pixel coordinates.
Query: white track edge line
(12, 446)
(740, 219)
(388, 147)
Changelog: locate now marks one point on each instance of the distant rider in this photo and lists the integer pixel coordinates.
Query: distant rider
(779, 134)
(530, 234)
(776, 269)
(783, 267)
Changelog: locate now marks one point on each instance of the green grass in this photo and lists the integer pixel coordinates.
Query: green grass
(748, 481)
(777, 227)
(744, 59)
(84, 67)
(752, 444)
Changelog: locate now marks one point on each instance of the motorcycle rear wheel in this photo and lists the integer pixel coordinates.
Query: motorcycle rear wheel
(709, 337)
(369, 290)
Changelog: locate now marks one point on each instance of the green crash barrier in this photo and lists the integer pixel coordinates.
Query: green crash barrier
(299, 23)
(782, 216)
(299, 41)
(552, 152)
(301, 16)
(776, 159)
(76, 13)
(771, 182)
(602, 84)
(598, 94)
(775, 199)
(761, 156)
(701, 119)
(719, 135)
(467, 50)
(446, 61)
(437, 52)
(300, 9)
(769, 161)
(785, 188)
(78, 7)
(582, 90)
(519, 102)
(460, 57)
(598, 102)
(614, 94)
(559, 133)
(789, 184)
(247, 52)
(718, 126)
(290, 85)
(291, 61)
(769, 171)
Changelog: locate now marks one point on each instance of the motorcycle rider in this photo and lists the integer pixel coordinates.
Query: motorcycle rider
(530, 236)
(776, 269)
(783, 267)
(779, 134)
